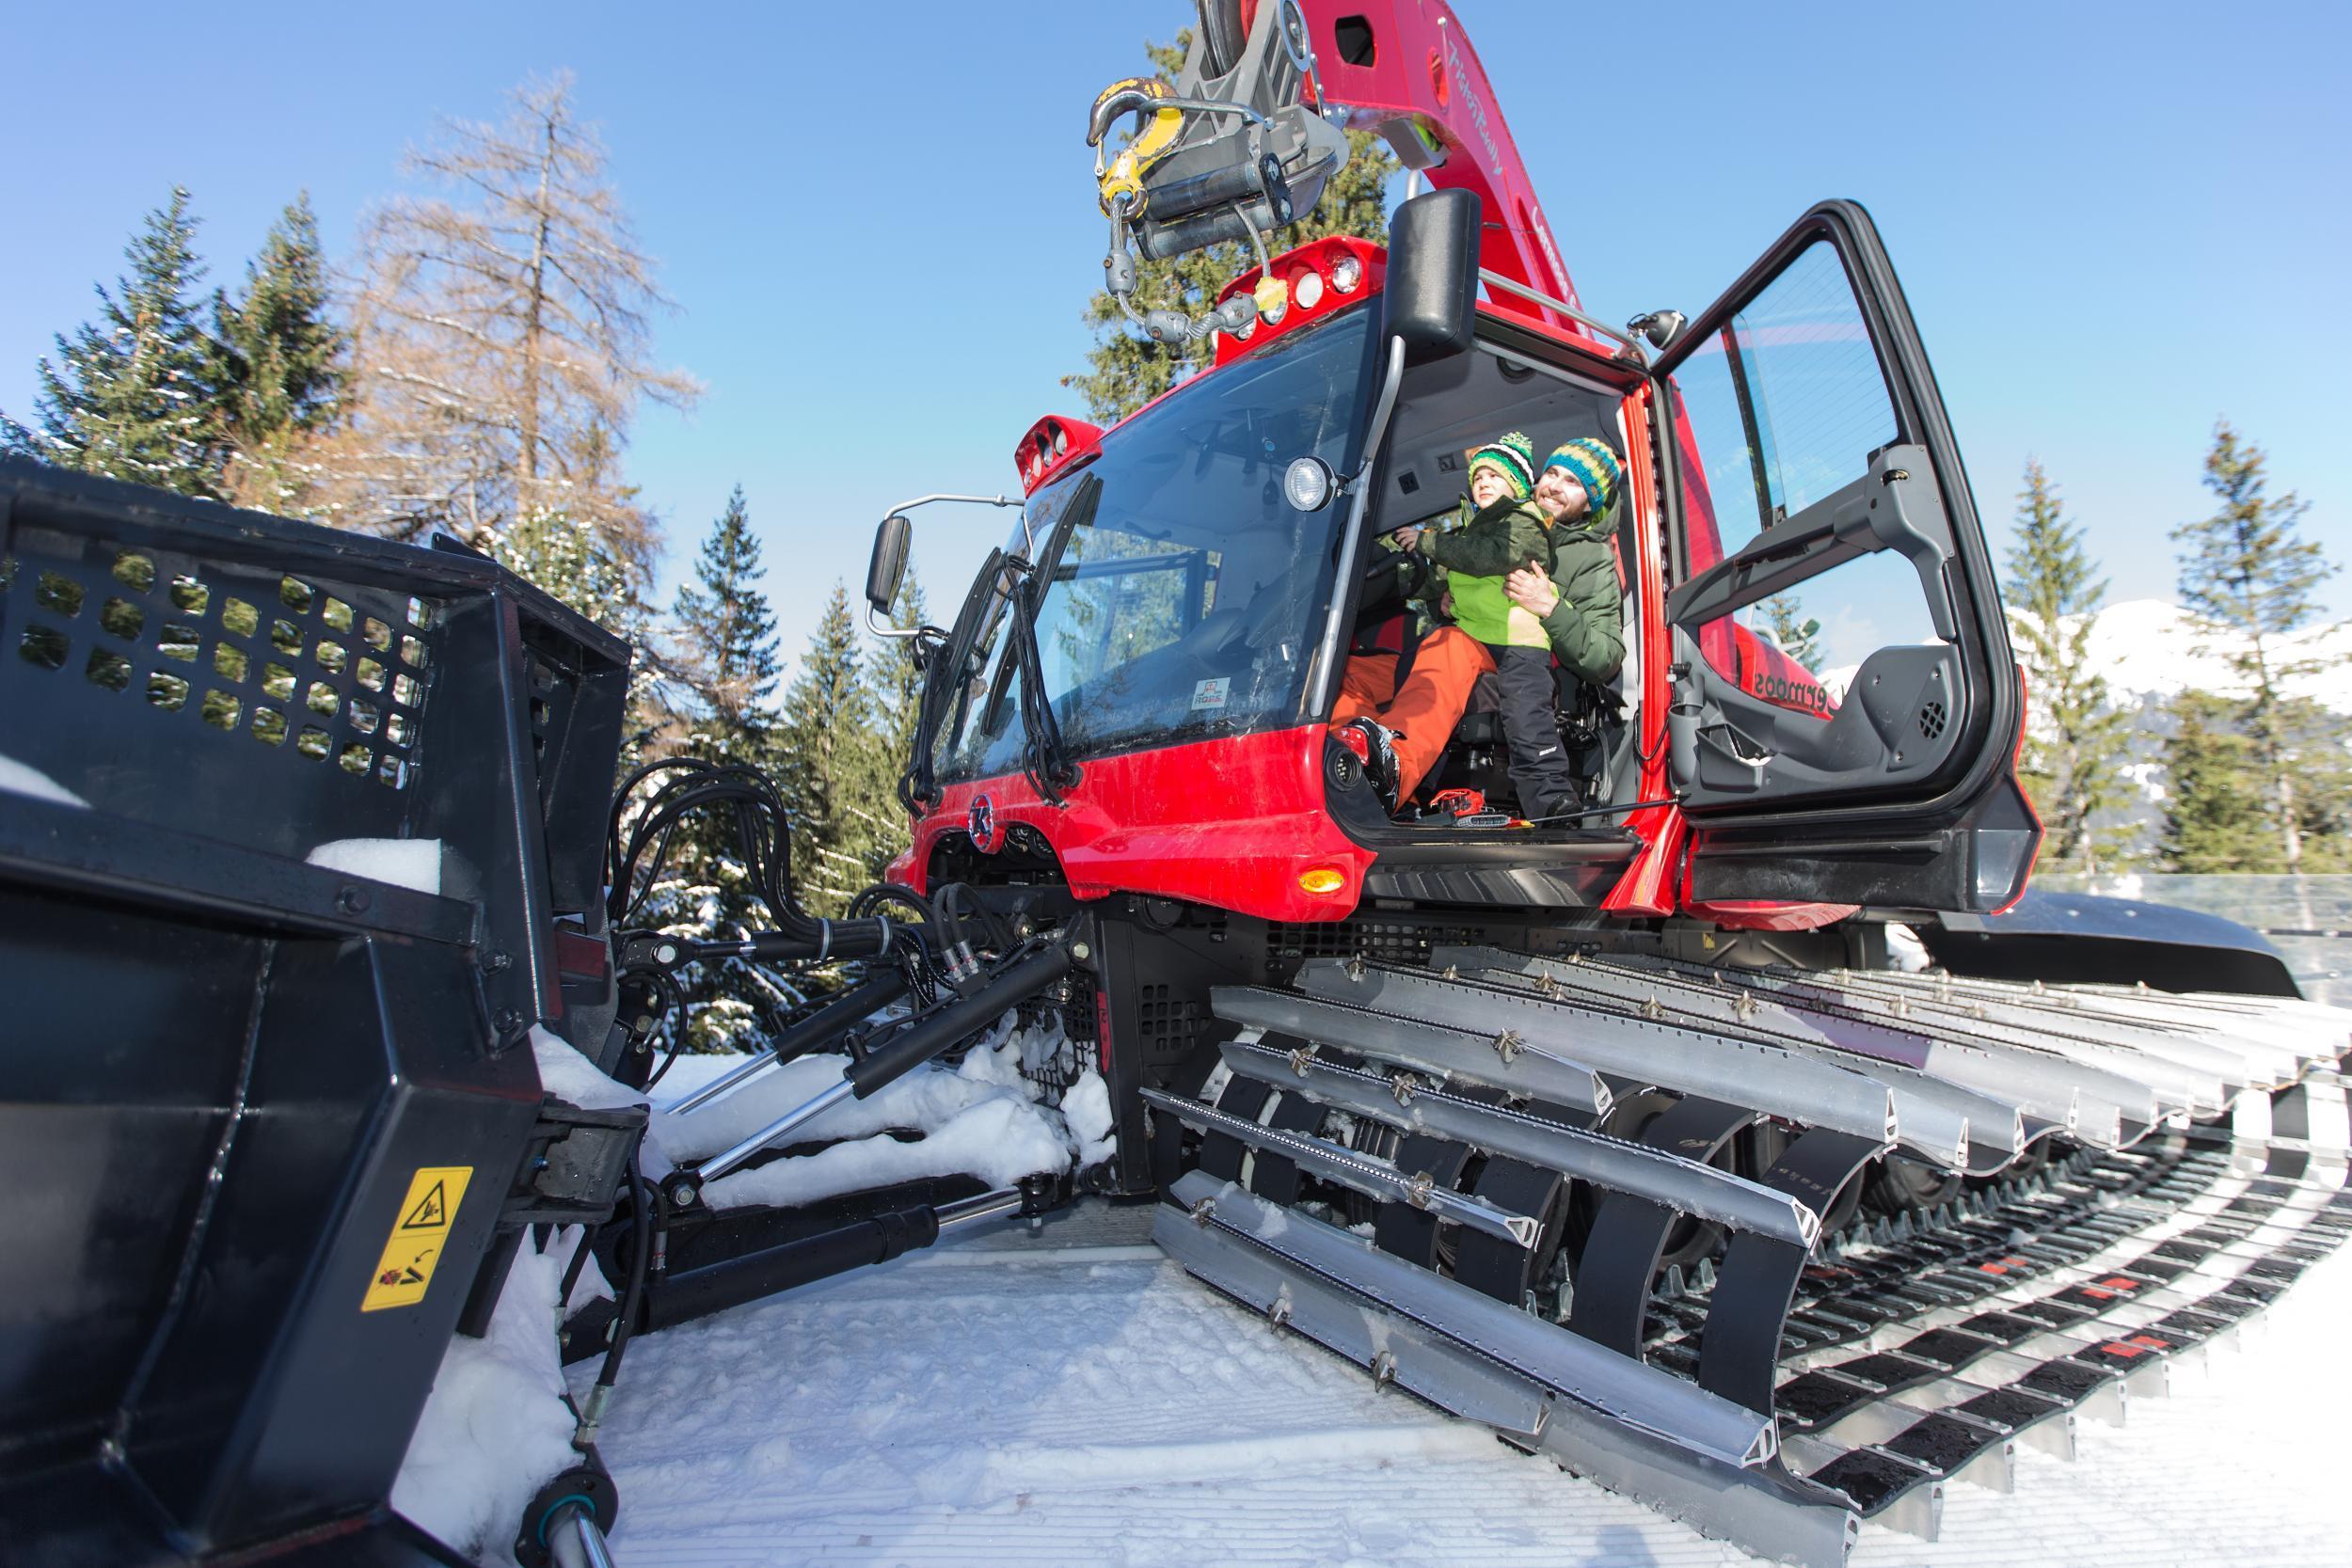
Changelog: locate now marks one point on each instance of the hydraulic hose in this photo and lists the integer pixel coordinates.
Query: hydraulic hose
(642, 1201)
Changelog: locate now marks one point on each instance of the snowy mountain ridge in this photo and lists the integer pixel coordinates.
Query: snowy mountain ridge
(2150, 651)
(2148, 648)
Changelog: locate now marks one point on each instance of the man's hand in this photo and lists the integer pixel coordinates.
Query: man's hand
(1407, 537)
(1532, 589)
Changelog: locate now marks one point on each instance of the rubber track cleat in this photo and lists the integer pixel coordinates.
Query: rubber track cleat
(1374, 746)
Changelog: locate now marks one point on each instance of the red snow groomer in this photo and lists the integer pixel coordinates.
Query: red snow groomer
(1731, 1125)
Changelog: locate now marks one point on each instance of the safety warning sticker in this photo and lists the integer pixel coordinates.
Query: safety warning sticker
(405, 1271)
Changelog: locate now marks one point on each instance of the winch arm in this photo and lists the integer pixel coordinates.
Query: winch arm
(1251, 135)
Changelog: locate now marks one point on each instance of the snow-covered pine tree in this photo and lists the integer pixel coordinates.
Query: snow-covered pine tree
(2075, 738)
(572, 559)
(824, 711)
(129, 395)
(727, 658)
(280, 364)
(2251, 584)
(1125, 370)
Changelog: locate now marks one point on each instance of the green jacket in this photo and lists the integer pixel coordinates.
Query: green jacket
(1585, 630)
(1587, 627)
(1483, 547)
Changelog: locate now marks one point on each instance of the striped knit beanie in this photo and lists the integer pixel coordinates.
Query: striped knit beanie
(1591, 462)
(1513, 456)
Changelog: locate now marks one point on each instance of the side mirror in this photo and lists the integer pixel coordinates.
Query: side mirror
(892, 536)
(1432, 286)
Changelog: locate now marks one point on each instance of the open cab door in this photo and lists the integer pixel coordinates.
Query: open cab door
(1846, 708)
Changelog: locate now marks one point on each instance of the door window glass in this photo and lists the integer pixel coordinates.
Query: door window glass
(1786, 406)
(1787, 403)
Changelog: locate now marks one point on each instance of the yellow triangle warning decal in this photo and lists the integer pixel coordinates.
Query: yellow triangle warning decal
(420, 1232)
(431, 1212)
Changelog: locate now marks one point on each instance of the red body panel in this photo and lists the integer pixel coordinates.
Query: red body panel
(1234, 822)
(1424, 71)
(1650, 883)
(1758, 915)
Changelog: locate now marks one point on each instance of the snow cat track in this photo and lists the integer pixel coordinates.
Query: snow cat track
(1582, 1201)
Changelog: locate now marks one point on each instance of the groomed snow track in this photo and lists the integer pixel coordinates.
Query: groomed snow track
(1801, 1380)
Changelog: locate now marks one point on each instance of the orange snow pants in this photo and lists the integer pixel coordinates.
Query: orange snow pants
(1423, 708)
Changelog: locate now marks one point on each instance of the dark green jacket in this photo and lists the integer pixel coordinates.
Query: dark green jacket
(1587, 627)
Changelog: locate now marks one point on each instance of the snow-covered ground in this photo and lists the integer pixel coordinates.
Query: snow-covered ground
(1072, 1398)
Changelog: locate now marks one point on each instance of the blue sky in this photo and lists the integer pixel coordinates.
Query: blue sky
(2114, 224)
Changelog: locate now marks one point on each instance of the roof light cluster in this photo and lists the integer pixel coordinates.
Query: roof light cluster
(1048, 445)
(1302, 285)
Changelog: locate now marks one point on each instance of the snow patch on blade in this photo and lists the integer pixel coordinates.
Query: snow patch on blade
(18, 779)
(410, 863)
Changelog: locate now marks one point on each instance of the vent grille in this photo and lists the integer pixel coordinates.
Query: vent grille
(1931, 720)
(287, 664)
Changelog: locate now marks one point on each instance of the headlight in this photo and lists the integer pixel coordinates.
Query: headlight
(1061, 441)
(1308, 483)
(1307, 289)
(1347, 273)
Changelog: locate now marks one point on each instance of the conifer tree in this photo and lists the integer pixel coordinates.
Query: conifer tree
(279, 365)
(730, 631)
(824, 709)
(725, 661)
(129, 395)
(2250, 581)
(1125, 370)
(2075, 737)
(1793, 631)
(875, 828)
(2213, 818)
(573, 561)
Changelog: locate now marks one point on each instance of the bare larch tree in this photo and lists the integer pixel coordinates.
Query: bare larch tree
(503, 338)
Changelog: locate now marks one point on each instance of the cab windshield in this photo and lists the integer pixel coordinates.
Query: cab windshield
(1184, 591)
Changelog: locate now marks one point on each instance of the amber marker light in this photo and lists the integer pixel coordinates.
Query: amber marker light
(1323, 879)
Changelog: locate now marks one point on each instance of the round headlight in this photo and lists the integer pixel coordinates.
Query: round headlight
(1307, 289)
(1308, 483)
(1347, 273)
(1272, 314)
(1061, 440)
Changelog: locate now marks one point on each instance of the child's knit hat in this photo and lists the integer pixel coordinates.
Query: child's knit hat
(1513, 456)
(1593, 465)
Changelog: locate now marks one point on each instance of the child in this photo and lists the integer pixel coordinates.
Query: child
(1503, 529)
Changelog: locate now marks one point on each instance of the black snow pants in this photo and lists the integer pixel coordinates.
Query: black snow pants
(1541, 774)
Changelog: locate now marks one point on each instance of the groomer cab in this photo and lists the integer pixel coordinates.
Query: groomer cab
(1818, 702)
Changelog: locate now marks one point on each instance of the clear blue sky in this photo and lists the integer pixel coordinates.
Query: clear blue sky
(2114, 223)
